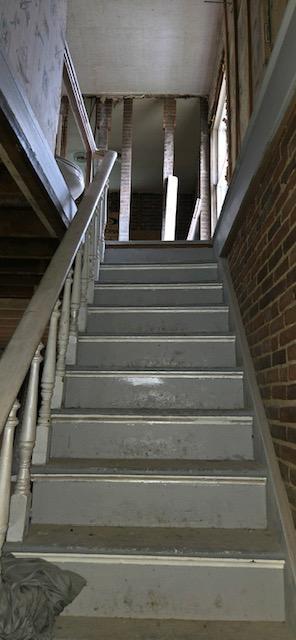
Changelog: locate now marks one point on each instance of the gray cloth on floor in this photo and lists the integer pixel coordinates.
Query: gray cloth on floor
(32, 594)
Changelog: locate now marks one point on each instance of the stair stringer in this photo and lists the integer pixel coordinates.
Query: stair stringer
(278, 510)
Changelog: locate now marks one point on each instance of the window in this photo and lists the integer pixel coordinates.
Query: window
(219, 155)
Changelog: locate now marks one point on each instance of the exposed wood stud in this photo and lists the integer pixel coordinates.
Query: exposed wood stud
(228, 89)
(126, 170)
(103, 121)
(205, 213)
(169, 124)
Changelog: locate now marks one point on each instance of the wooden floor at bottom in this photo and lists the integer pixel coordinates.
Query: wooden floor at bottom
(125, 629)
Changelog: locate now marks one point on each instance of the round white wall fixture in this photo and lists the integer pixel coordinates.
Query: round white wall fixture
(73, 176)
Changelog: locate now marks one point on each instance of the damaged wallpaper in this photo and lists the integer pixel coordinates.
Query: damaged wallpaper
(32, 39)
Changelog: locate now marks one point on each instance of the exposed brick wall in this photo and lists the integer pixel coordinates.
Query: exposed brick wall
(262, 259)
(146, 216)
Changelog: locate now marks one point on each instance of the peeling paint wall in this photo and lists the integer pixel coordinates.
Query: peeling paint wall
(32, 39)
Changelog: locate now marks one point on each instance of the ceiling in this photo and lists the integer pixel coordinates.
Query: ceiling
(155, 47)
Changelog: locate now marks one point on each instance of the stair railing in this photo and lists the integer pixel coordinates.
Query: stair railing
(57, 306)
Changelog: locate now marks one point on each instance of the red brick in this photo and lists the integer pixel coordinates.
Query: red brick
(290, 317)
(288, 414)
(291, 352)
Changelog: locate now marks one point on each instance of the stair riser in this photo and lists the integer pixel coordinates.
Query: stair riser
(149, 354)
(139, 322)
(136, 275)
(119, 296)
(134, 588)
(102, 439)
(160, 255)
(153, 392)
(137, 501)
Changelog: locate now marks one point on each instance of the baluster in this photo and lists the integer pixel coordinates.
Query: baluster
(75, 304)
(99, 217)
(102, 219)
(21, 499)
(40, 452)
(96, 242)
(63, 338)
(82, 316)
(92, 259)
(5, 470)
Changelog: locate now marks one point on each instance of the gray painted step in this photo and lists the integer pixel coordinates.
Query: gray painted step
(154, 390)
(159, 273)
(107, 436)
(170, 352)
(157, 320)
(157, 253)
(78, 628)
(150, 466)
(236, 543)
(150, 501)
(134, 295)
(177, 588)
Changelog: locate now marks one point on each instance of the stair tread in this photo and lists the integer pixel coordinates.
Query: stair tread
(225, 468)
(159, 265)
(147, 414)
(79, 628)
(244, 543)
(159, 285)
(171, 373)
(205, 337)
(218, 306)
(161, 244)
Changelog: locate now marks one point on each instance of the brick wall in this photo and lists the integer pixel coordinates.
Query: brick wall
(262, 259)
(146, 216)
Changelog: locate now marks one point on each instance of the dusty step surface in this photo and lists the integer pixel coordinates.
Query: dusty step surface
(138, 295)
(150, 466)
(152, 352)
(248, 543)
(143, 499)
(216, 389)
(158, 273)
(187, 587)
(157, 320)
(193, 437)
(77, 628)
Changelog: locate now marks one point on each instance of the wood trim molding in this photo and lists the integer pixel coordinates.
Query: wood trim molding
(24, 150)
(277, 90)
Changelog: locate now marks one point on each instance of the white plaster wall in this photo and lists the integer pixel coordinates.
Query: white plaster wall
(32, 39)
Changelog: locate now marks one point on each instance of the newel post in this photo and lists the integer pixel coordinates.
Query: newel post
(40, 452)
(21, 499)
(5, 470)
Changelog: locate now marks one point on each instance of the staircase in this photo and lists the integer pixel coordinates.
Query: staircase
(152, 491)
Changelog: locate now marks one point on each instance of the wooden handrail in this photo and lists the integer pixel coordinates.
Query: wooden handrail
(77, 104)
(19, 352)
